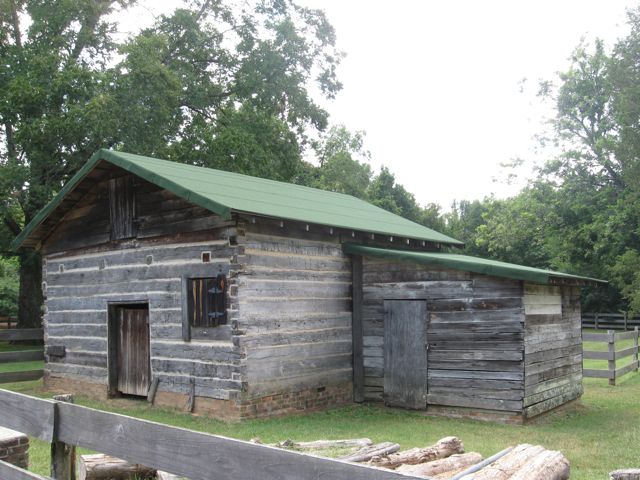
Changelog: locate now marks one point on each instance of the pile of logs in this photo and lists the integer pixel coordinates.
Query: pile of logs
(445, 460)
(448, 460)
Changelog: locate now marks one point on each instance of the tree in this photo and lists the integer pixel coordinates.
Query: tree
(212, 84)
(343, 163)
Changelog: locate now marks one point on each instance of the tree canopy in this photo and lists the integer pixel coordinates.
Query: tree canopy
(228, 86)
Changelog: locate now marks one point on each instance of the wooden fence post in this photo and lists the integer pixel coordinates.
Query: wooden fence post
(624, 316)
(611, 340)
(63, 456)
(635, 348)
(596, 321)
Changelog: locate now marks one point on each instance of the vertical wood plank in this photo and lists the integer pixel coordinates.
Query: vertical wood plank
(112, 351)
(611, 340)
(186, 329)
(63, 456)
(192, 395)
(121, 207)
(153, 390)
(635, 348)
(133, 351)
(405, 353)
(357, 332)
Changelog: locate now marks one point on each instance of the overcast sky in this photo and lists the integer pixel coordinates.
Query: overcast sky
(436, 84)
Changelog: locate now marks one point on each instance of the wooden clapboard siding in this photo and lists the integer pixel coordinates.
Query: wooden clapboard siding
(294, 301)
(553, 348)
(84, 272)
(475, 333)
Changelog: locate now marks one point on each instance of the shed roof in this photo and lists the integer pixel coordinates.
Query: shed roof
(472, 264)
(223, 192)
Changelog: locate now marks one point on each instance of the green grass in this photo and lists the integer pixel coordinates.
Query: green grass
(19, 366)
(603, 347)
(597, 436)
(10, 347)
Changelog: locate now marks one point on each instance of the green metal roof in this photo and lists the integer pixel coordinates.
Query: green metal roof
(223, 192)
(470, 264)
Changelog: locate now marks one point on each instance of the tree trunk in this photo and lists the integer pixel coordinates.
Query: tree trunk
(548, 465)
(625, 474)
(442, 465)
(105, 467)
(367, 453)
(30, 296)
(504, 467)
(324, 444)
(443, 448)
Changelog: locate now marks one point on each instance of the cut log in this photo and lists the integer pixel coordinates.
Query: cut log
(454, 462)
(443, 448)
(167, 476)
(323, 444)
(105, 467)
(504, 467)
(160, 475)
(479, 466)
(548, 465)
(367, 453)
(625, 474)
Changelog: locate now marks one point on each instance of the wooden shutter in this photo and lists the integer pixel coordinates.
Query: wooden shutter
(206, 304)
(122, 207)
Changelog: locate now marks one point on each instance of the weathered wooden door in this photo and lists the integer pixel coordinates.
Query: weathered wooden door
(405, 353)
(133, 365)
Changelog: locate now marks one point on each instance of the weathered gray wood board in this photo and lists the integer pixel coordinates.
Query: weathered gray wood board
(294, 301)
(8, 470)
(553, 351)
(133, 365)
(405, 353)
(475, 333)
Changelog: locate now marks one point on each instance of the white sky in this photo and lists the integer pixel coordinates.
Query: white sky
(436, 84)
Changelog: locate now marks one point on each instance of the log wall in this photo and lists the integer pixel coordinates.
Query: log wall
(475, 333)
(553, 347)
(84, 271)
(294, 300)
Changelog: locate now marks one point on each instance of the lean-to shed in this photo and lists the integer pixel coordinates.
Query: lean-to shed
(253, 297)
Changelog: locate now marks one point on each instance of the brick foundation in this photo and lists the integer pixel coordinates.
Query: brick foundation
(242, 408)
(14, 448)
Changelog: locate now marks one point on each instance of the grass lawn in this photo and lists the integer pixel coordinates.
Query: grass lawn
(19, 366)
(598, 436)
(603, 347)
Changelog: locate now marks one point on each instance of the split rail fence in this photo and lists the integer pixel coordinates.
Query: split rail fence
(611, 354)
(609, 321)
(8, 322)
(36, 353)
(194, 455)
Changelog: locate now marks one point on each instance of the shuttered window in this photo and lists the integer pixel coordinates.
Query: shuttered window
(122, 207)
(206, 302)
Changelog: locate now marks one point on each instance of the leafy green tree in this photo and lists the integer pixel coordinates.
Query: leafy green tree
(212, 83)
(343, 163)
(9, 283)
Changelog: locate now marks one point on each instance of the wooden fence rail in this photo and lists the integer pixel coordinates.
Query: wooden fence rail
(609, 321)
(8, 322)
(611, 355)
(195, 455)
(21, 356)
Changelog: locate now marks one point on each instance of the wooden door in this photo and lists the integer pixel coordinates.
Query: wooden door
(133, 365)
(405, 353)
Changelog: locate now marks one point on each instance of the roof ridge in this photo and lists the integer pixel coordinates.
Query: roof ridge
(236, 174)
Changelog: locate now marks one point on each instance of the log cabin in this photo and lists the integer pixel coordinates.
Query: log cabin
(242, 297)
